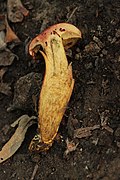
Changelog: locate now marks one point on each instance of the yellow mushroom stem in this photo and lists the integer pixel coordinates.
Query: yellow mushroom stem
(58, 82)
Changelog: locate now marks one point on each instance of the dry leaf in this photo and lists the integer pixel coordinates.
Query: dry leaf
(10, 35)
(24, 122)
(2, 72)
(85, 132)
(2, 33)
(2, 22)
(2, 40)
(5, 88)
(7, 57)
(58, 81)
(16, 10)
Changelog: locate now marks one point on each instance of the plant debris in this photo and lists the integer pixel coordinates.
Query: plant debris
(104, 117)
(71, 146)
(10, 35)
(2, 41)
(2, 22)
(7, 35)
(16, 11)
(2, 72)
(34, 172)
(24, 122)
(7, 58)
(85, 132)
(5, 88)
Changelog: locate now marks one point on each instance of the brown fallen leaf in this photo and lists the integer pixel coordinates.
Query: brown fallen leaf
(7, 58)
(2, 41)
(58, 81)
(16, 11)
(10, 35)
(5, 88)
(2, 33)
(24, 122)
(2, 72)
(2, 22)
(85, 132)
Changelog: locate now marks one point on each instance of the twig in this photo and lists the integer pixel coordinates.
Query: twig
(34, 172)
(72, 14)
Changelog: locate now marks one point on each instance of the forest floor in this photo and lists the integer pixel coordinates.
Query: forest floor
(95, 99)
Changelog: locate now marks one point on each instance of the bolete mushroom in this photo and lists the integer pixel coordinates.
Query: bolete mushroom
(58, 81)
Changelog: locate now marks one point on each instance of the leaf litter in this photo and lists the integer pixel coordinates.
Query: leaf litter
(2, 72)
(2, 41)
(5, 88)
(23, 122)
(16, 11)
(79, 133)
(10, 35)
(6, 56)
(85, 132)
(6, 59)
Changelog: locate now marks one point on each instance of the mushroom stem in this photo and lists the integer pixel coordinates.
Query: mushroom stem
(58, 81)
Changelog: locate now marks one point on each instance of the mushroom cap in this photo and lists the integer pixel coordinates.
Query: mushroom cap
(68, 32)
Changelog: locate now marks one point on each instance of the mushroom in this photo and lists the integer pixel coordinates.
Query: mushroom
(58, 81)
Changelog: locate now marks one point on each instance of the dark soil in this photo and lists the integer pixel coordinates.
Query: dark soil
(96, 96)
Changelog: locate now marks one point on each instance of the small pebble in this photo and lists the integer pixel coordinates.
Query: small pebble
(117, 34)
(99, 28)
(113, 40)
(118, 144)
(35, 158)
(92, 47)
(89, 65)
(98, 41)
(104, 52)
(69, 53)
(117, 132)
(78, 56)
(77, 50)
